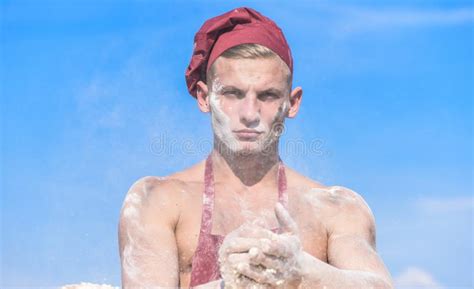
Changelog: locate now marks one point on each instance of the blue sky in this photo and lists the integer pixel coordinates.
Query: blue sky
(93, 98)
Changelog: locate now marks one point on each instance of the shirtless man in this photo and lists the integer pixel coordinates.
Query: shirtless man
(240, 218)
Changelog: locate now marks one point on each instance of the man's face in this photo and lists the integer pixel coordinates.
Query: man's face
(249, 100)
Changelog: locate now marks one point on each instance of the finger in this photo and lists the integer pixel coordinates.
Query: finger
(233, 279)
(257, 257)
(276, 247)
(241, 245)
(238, 258)
(265, 276)
(287, 224)
(254, 252)
(245, 282)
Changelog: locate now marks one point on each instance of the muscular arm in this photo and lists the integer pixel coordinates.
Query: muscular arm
(148, 250)
(353, 260)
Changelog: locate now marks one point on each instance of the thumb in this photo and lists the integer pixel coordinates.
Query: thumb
(287, 224)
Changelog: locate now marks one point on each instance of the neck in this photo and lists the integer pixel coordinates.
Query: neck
(249, 168)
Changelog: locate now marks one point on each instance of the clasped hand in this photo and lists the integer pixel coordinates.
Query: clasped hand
(255, 257)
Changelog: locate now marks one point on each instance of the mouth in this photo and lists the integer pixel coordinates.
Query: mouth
(247, 134)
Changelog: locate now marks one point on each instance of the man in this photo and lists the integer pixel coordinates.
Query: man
(240, 218)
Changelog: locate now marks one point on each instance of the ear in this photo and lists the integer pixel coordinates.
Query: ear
(202, 96)
(295, 101)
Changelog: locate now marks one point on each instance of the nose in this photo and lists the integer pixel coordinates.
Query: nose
(250, 111)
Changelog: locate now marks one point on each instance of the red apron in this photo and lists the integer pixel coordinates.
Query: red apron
(205, 265)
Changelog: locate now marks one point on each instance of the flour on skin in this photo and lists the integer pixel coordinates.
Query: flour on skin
(138, 250)
(222, 125)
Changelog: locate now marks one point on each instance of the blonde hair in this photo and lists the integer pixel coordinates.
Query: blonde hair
(248, 51)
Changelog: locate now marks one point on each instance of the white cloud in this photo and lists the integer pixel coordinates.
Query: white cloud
(446, 204)
(414, 277)
(409, 17)
(346, 20)
(85, 285)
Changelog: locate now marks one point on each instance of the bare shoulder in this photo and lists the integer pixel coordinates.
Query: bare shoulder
(344, 200)
(342, 209)
(192, 174)
(147, 195)
(298, 182)
(161, 194)
(150, 188)
(352, 215)
(331, 196)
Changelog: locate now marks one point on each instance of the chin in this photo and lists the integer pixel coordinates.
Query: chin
(251, 148)
(245, 147)
(247, 152)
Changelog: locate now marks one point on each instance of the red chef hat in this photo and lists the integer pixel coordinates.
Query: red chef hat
(239, 26)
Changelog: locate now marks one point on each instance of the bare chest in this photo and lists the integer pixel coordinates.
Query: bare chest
(231, 210)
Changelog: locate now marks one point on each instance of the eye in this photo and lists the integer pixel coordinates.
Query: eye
(232, 93)
(268, 96)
